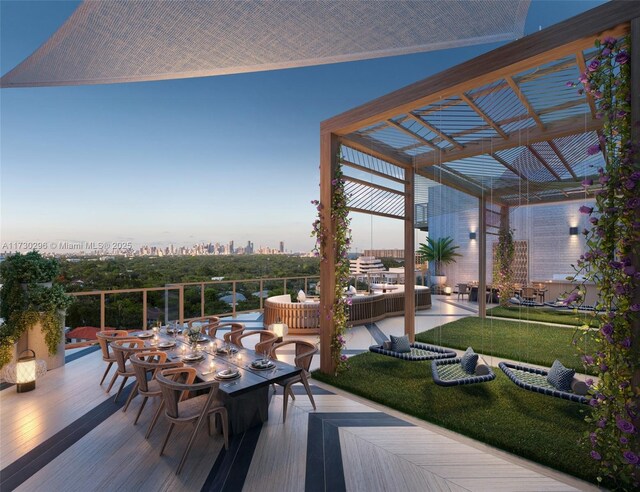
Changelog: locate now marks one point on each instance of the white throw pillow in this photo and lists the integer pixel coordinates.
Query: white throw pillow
(302, 296)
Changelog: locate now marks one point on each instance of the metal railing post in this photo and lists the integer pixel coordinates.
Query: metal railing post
(233, 300)
(102, 311)
(181, 305)
(261, 294)
(202, 300)
(144, 310)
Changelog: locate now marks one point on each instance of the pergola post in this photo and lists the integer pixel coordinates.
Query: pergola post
(635, 138)
(328, 164)
(409, 256)
(482, 257)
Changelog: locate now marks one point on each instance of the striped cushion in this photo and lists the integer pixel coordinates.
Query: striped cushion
(468, 361)
(560, 377)
(400, 344)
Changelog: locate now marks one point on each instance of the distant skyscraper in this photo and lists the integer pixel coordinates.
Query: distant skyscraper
(231, 250)
(281, 246)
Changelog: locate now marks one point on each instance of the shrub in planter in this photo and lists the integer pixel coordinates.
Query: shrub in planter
(29, 297)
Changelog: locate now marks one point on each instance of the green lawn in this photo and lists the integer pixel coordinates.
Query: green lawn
(534, 426)
(546, 315)
(524, 342)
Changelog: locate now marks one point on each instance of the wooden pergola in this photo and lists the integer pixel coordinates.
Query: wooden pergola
(484, 127)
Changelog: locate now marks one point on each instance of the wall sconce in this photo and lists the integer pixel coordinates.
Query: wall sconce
(472, 236)
(573, 231)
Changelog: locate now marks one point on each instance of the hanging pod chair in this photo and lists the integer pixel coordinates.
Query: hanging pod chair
(456, 372)
(418, 351)
(534, 379)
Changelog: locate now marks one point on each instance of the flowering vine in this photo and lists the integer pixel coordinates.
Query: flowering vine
(340, 240)
(502, 266)
(613, 241)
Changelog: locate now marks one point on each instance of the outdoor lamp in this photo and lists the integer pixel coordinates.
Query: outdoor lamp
(26, 371)
(573, 231)
(279, 329)
(472, 236)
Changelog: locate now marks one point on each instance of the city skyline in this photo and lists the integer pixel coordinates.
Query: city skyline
(227, 156)
(92, 248)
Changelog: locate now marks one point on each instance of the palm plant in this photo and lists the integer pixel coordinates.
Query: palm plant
(440, 251)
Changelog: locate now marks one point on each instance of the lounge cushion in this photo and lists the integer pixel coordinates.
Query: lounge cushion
(482, 368)
(400, 344)
(560, 377)
(469, 361)
(419, 351)
(579, 387)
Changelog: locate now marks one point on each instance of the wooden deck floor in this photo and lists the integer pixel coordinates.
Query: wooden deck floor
(68, 435)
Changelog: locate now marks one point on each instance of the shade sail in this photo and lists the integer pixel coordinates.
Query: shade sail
(138, 40)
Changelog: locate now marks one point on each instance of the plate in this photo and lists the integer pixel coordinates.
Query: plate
(258, 366)
(166, 344)
(192, 357)
(145, 334)
(233, 350)
(227, 375)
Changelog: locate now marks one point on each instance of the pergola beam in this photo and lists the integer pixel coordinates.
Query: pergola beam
(525, 102)
(412, 134)
(375, 172)
(582, 66)
(511, 168)
(543, 161)
(483, 115)
(373, 212)
(560, 40)
(376, 149)
(435, 130)
(373, 185)
(557, 151)
(571, 126)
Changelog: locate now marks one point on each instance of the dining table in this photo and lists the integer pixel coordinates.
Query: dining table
(244, 375)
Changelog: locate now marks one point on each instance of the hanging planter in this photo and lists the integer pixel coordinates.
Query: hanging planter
(613, 246)
(341, 242)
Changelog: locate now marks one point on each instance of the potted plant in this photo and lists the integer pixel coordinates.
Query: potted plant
(32, 307)
(441, 252)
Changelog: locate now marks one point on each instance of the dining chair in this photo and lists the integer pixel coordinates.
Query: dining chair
(236, 329)
(104, 339)
(304, 355)
(122, 350)
(175, 385)
(267, 339)
(205, 320)
(528, 293)
(210, 329)
(146, 366)
(463, 290)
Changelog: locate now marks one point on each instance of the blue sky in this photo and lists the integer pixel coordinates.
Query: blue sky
(209, 159)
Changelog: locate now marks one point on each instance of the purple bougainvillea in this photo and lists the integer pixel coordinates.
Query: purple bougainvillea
(612, 241)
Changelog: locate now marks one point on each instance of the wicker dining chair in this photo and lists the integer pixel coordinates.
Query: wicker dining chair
(304, 355)
(528, 294)
(463, 290)
(104, 338)
(205, 320)
(122, 350)
(146, 365)
(236, 329)
(175, 384)
(210, 329)
(267, 339)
